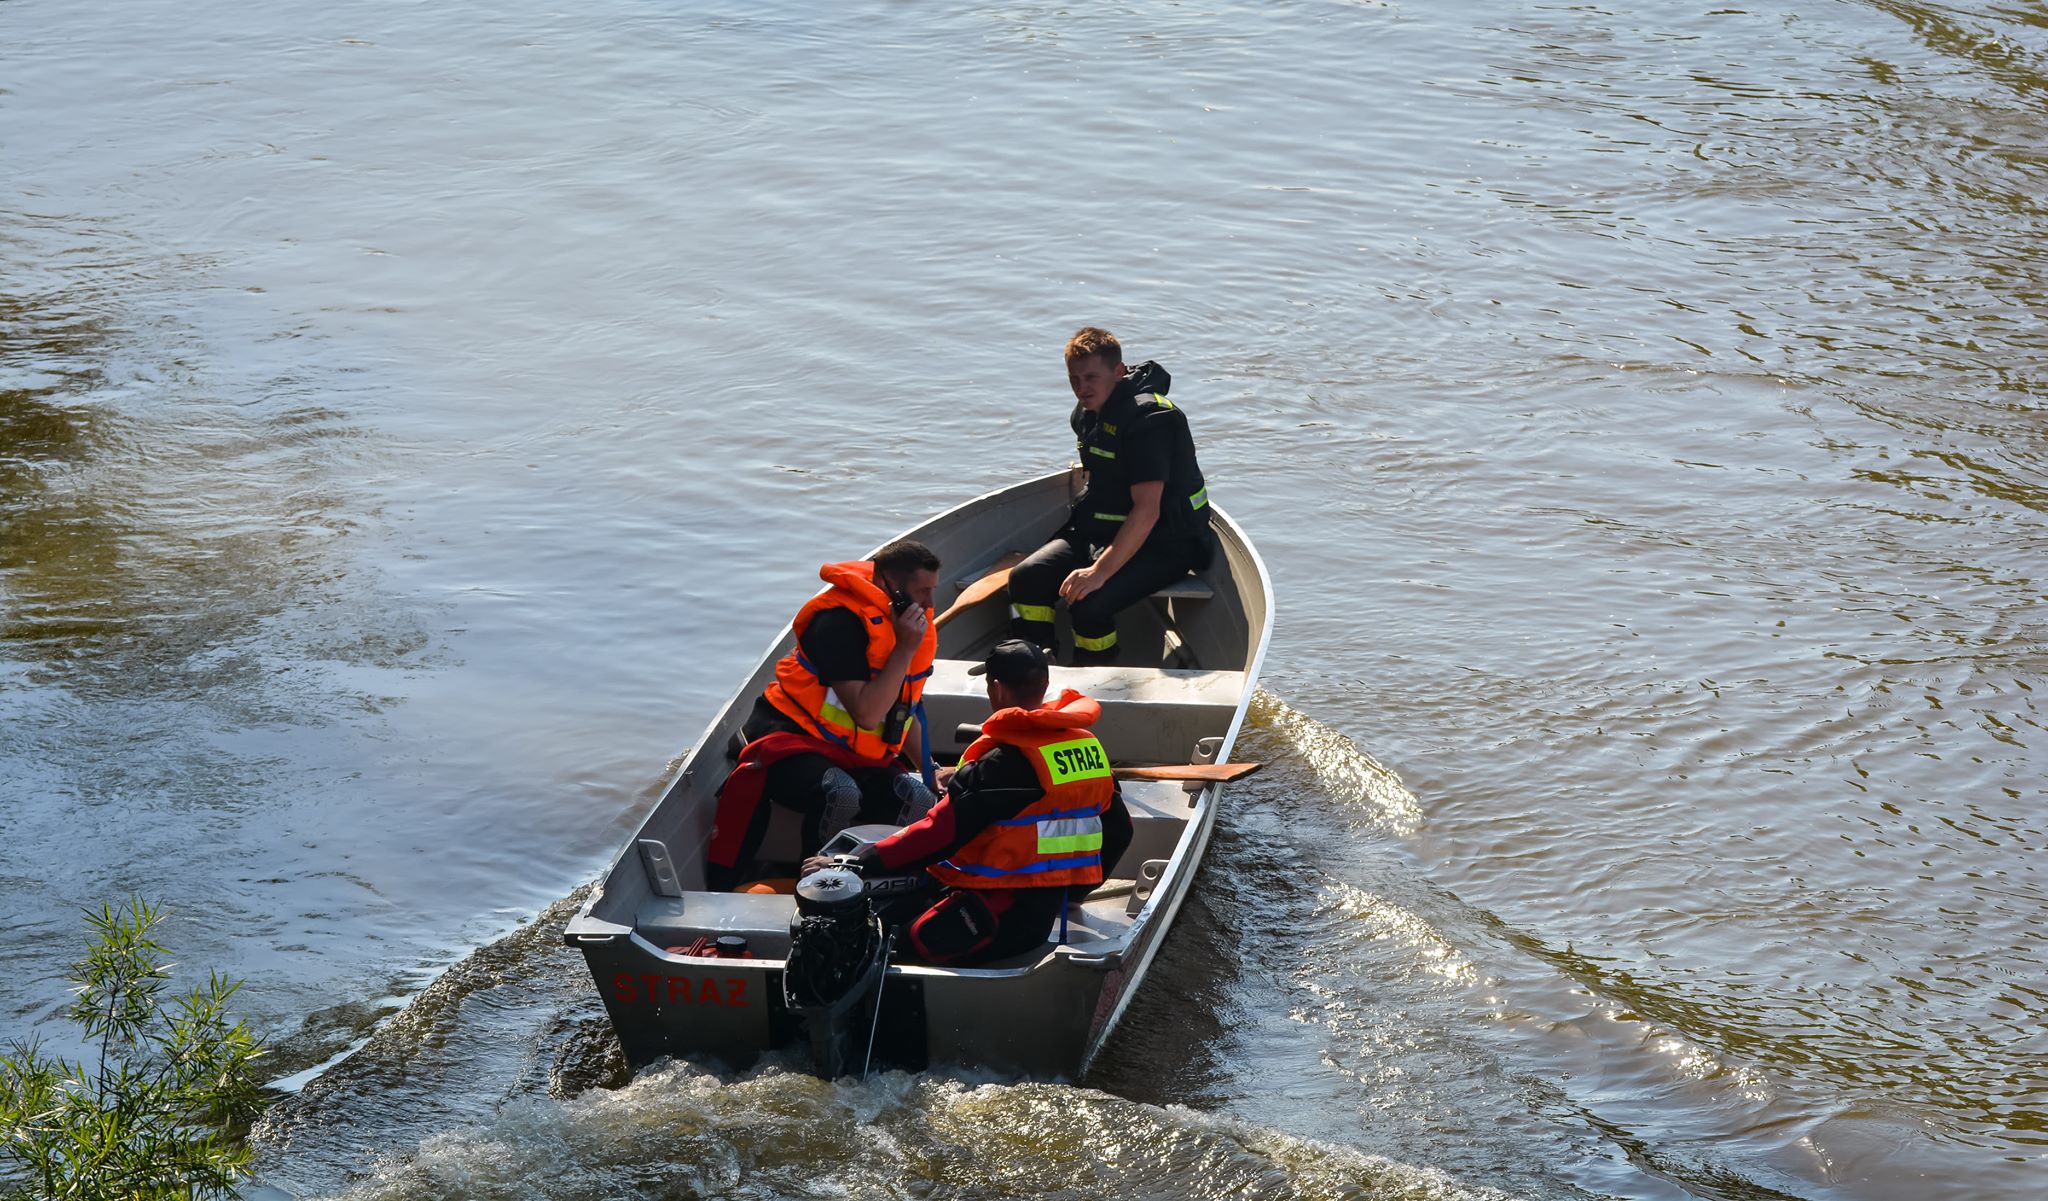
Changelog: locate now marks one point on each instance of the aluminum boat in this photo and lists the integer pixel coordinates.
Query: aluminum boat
(1189, 665)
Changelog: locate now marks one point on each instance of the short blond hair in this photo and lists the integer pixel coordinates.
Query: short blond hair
(1090, 340)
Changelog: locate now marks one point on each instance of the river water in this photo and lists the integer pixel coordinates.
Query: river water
(414, 418)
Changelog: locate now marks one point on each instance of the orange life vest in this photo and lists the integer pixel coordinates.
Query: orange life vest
(810, 701)
(1057, 839)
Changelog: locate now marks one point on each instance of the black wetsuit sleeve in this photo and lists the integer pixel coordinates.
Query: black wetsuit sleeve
(1000, 784)
(1117, 831)
(836, 643)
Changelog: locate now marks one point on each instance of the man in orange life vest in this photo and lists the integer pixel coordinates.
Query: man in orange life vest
(825, 736)
(1031, 814)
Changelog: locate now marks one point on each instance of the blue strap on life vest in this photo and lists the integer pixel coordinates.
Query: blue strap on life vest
(1029, 869)
(924, 737)
(1055, 815)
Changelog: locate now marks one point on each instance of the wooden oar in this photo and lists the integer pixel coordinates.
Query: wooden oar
(981, 589)
(1206, 772)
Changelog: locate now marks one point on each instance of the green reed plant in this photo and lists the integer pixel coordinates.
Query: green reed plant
(160, 1110)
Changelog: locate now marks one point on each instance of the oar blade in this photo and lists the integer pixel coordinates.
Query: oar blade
(1205, 772)
(982, 589)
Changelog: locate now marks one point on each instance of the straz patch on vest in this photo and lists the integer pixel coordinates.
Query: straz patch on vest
(1081, 759)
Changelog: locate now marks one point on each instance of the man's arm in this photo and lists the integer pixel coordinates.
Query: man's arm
(870, 700)
(1129, 537)
(998, 785)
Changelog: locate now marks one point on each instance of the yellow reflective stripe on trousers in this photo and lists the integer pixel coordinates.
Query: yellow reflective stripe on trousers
(1031, 612)
(1065, 835)
(1097, 450)
(1095, 644)
(1110, 516)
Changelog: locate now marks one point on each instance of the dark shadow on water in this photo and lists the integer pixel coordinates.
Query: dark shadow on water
(1171, 1046)
(168, 532)
(47, 349)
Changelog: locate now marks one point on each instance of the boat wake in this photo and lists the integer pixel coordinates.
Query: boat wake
(1337, 768)
(676, 1131)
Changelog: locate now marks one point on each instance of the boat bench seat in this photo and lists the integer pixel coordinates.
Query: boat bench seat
(1192, 587)
(760, 918)
(1149, 714)
(1188, 587)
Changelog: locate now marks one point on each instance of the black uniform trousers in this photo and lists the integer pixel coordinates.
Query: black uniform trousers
(1035, 587)
(797, 782)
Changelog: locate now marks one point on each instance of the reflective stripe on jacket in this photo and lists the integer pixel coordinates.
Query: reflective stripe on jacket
(809, 700)
(1057, 839)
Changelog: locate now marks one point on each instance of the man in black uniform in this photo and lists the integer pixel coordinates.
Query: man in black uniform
(1143, 521)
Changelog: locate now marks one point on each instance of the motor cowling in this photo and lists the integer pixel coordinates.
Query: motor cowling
(834, 939)
(838, 956)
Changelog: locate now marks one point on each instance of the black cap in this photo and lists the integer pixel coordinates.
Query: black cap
(1013, 661)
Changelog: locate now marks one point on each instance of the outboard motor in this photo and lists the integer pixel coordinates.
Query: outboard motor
(838, 955)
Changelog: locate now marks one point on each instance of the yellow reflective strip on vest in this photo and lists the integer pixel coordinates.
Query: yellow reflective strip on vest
(1079, 759)
(1066, 835)
(834, 713)
(1095, 644)
(1109, 516)
(1160, 397)
(1068, 846)
(1199, 497)
(1097, 450)
(1049, 845)
(1031, 612)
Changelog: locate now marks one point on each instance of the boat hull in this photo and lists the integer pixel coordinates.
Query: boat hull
(1046, 1014)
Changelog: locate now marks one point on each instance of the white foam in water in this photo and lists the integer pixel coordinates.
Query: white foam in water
(677, 1131)
(1343, 771)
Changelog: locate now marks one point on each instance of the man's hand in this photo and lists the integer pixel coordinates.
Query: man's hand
(818, 863)
(945, 778)
(910, 625)
(1081, 582)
